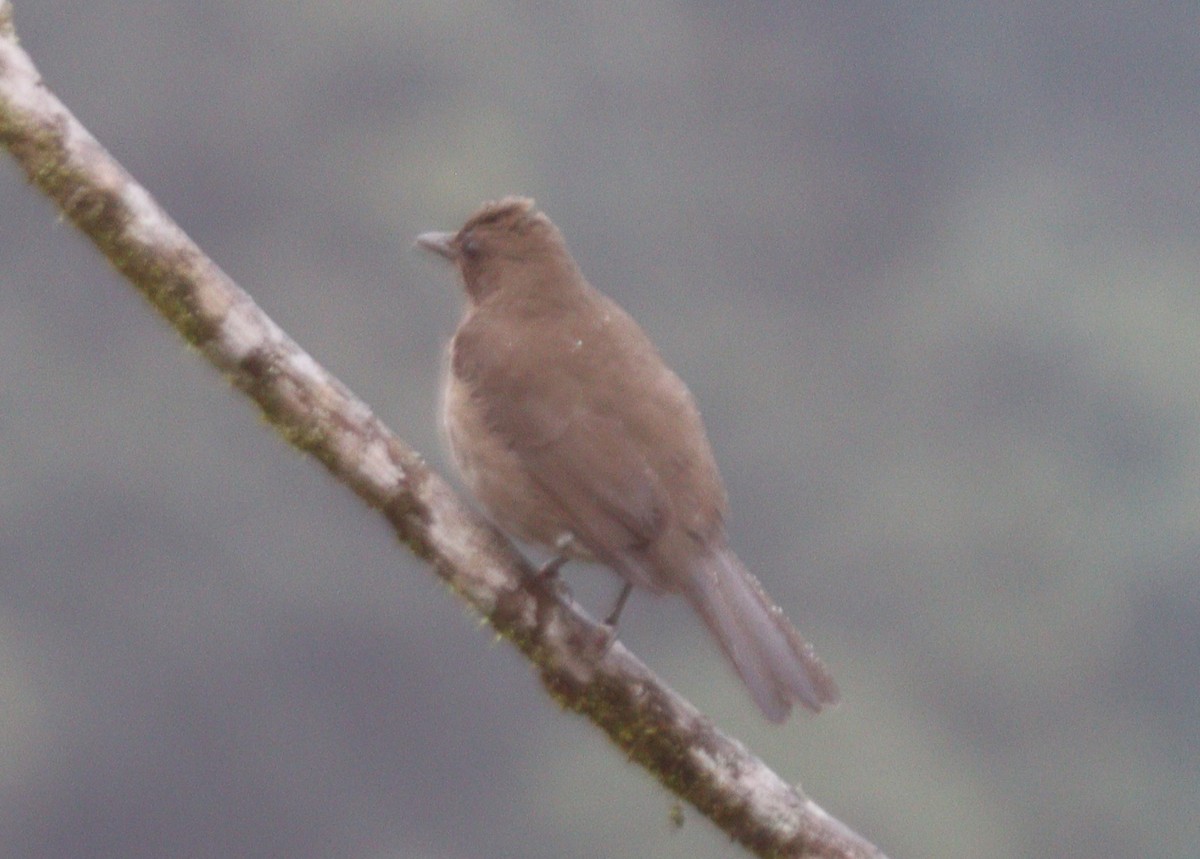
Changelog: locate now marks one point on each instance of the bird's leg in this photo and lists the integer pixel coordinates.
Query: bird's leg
(608, 631)
(550, 569)
(547, 576)
(615, 614)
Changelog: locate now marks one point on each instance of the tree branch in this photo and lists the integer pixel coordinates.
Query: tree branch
(318, 414)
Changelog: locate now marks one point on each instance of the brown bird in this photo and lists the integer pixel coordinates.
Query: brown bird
(573, 433)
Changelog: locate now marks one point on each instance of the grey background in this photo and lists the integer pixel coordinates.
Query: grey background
(930, 272)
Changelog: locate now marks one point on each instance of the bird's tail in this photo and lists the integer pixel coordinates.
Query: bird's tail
(774, 662)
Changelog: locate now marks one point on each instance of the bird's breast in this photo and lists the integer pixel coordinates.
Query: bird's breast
(494, 473)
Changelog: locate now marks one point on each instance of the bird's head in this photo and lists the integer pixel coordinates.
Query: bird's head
(504, 243)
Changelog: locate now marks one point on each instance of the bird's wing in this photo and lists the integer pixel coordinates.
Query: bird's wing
(570, 437)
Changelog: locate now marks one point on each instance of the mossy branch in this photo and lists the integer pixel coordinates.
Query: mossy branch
(315, 412)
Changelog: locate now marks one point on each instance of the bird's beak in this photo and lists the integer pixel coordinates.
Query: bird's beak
(439, 243)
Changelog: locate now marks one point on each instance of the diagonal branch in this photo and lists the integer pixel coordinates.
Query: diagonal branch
(318, 414)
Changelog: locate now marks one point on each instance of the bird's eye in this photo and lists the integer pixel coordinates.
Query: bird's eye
(470, 247)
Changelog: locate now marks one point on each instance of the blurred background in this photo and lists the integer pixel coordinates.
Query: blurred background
(930, 273)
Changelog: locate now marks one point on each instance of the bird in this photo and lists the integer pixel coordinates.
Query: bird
(573, 434)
